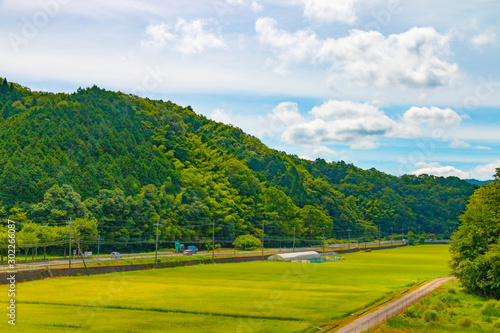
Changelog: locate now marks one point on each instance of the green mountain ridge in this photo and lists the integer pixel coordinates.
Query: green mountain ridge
(133, 162)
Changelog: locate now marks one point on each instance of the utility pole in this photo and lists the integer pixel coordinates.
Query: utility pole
(98, 240)
(379, 234)
(70, 226)
(82, 255)
(156, 246)
(293, 239)
(349, 232)
(213, 240)
(263, 226)
(391, 235)
(365, 237)
(323, 239)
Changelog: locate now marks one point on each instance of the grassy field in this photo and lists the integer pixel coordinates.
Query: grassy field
(447, 310)
(244, 297)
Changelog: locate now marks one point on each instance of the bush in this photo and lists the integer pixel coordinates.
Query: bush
(247, 242)
(413, 312)
(491, 304)
(447, 299)
(437, 305)
(430, 315)
(452, 291)
(465, 322)
(496, 324)
(397, 322)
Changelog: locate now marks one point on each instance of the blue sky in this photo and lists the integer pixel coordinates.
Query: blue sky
(402, 86)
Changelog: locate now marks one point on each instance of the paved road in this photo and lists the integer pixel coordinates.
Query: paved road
(367, 321)
(64, 262)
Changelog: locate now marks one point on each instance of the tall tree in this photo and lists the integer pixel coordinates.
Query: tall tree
(475, 249)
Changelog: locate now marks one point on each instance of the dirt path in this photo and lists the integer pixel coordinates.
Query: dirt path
(367, 321)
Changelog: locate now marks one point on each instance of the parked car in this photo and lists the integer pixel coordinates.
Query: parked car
(188, 253)
(116, 255)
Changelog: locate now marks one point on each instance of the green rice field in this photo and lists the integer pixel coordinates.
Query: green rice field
(240, 297)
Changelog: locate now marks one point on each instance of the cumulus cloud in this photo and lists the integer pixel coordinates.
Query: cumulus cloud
(358, 125)
(288, 48)
(441, 171)
(482, 148)
(336, 122)
(324, 151)
(481, 172)
(432, 116)
(257, 7)
(331, 10)
(221, 116)
(456, 143)
(187, 37)
(414, 58)
(481, 40)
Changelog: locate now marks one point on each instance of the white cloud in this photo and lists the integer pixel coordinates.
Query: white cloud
(324, 151)
(481, 172)
(305, 157)
(359, 125)
(331, 10)
(235, 2)
(486, 171)
(456, 143)
(481, 40)
(289, 48)
(188, 37)
(482, 148)
(442, 171)
(221, 116)
(257, 7)
(338, 122)
(414, 58)
(432, 116)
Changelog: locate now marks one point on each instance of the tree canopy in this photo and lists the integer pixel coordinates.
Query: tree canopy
(475, 249)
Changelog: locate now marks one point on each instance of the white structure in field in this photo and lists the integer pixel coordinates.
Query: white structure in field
(294, 256)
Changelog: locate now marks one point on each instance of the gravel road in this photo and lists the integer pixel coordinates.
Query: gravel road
(363, 323)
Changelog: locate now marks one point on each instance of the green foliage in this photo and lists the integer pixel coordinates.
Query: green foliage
(129, 162)
(430, 315)
(475, 249)
(247, 242)
(465, 322)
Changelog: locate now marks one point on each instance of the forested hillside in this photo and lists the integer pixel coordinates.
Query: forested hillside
(127, 163)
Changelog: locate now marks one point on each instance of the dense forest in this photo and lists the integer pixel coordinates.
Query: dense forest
(123, 164)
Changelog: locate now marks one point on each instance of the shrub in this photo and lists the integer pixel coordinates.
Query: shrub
(447, 299)
(491, 304)
(397, 322)
(430, 315)
(247, 242)
(437, 305)
(496, 324)
(413, 312)
(465, 322)
(493, 312)
(452, 291)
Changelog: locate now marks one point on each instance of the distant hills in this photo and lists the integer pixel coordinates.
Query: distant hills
(133, 162)
(478, 182)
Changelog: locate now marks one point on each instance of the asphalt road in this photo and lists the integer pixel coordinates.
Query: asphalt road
(368, 320)
(64, 262)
